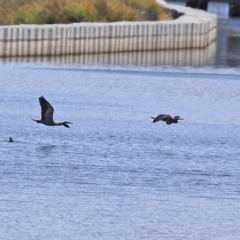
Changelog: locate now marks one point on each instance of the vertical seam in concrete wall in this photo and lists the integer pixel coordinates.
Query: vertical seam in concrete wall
(17, 40)
(36, 41)
(4, 46)
(28, 41)
(49, 45)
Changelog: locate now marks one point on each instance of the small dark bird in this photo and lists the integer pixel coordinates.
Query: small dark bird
(47, 114)
(10, 139)
(166, 118)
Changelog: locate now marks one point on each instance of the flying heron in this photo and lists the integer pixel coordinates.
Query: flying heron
(47, 114)
(167, 118)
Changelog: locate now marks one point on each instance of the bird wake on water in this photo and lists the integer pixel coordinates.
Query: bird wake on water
(47, 114)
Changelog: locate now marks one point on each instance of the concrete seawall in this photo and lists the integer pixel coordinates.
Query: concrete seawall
(195, 29)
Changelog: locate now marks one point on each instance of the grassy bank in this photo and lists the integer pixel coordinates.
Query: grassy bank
(69, 11)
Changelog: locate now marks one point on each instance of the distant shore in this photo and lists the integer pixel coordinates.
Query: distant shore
(193, 29)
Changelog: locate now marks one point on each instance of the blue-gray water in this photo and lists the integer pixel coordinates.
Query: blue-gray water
(114, 174)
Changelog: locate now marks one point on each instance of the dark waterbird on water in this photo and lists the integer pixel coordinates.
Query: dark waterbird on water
(47, 114)
(166, 118)
(10, 139)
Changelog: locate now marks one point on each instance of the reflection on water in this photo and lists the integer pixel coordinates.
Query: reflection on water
(233, 44)
(229, 27)
(46, 147)
(228, 41)
(185, 57)
(220, 9)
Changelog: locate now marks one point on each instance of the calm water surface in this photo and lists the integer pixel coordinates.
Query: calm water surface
(114, 174)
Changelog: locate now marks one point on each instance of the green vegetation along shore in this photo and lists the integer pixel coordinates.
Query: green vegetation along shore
(70, 11)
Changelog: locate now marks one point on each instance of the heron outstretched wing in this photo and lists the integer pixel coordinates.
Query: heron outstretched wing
(46, 109)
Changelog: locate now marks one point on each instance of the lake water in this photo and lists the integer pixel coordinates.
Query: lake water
(114, 174)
